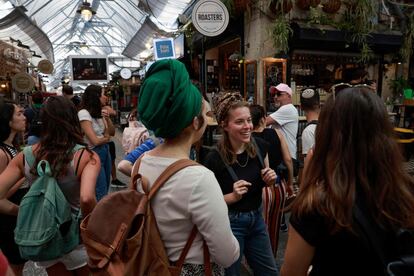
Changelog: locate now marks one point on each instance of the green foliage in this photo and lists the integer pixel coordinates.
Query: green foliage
(317, 17)
(397, 86)
(366, 53)
(229, 5)
(358, 20)
(280, 31)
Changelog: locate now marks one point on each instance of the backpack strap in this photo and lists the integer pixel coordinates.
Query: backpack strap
(168, 172)
(258, 152)
(313, 122)
(78, 163)
(135, 175)
(206, 253)
(28, 155)
(230, 170)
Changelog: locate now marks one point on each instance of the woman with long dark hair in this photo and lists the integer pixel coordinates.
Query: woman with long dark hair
(241, 166)
(76, 173)
(280, 161)
(356, 164)
(98, 128)
(12, 126)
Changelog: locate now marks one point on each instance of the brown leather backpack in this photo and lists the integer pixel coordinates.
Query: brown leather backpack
(121, 235)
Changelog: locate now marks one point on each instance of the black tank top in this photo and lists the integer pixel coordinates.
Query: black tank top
(275, 150)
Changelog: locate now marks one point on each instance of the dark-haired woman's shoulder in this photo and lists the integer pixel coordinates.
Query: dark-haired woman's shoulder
(212, 159)
(263, 145)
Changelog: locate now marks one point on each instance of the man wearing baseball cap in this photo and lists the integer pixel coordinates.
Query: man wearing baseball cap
(286, 118)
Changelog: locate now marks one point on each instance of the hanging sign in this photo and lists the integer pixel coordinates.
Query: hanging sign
(22, 82)
(125, 73)
(164, 48)
(45, 66)
(210, 17)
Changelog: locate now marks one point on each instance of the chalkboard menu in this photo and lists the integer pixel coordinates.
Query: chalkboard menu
(250, 82)
(274, 72)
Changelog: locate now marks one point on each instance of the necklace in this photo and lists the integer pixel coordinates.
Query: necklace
(245, 163)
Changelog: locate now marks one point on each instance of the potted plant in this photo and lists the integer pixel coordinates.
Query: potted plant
(397, 87)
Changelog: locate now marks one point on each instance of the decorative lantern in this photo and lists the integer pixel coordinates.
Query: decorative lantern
(306, 4)
(331, 6)
(241, 5)
(280, 6)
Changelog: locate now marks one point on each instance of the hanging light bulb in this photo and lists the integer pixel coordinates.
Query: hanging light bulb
(86, 11)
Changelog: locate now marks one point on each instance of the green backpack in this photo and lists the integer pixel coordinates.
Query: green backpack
(46, 228)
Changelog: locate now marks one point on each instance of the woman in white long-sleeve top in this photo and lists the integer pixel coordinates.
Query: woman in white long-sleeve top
(174, 109)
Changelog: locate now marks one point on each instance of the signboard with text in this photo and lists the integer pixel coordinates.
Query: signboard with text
(164, 48)
(210, 17)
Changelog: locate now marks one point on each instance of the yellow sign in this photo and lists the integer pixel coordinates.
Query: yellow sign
(45, 66)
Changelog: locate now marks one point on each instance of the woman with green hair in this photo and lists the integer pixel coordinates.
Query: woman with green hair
(172, 107)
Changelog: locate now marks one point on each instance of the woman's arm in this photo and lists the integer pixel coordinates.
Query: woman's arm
(125, 167)
(91, 135)
(209, 213)
(90, 165)
(4, 160)
(7, 207)
(11, 175)
(109, 126)
(298, 255)
(287, 159)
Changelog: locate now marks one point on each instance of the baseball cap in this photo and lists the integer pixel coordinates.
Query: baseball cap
(280, 87)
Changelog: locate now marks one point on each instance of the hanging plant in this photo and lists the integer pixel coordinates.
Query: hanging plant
(280, 32)
(359, 23)
(366, 53)
(306, 4)
(189, 34)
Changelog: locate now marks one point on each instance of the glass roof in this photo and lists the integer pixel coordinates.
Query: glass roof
(120, 28)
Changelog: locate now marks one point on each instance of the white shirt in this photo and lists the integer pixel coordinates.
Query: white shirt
(308, 138)
(288, 119)
(191, 197)
(98, 125)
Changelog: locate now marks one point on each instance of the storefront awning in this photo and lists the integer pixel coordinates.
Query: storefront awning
(19, 27)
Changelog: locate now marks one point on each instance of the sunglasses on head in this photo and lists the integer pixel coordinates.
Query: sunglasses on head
(335, 89)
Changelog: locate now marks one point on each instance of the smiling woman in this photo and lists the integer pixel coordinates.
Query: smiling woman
(242, 173)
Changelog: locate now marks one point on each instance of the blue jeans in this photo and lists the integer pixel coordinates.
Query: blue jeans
(250, 230)
(102, 183)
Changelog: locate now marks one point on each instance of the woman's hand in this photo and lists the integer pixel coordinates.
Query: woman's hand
(269, 176)
(105, 113)
(240, 188)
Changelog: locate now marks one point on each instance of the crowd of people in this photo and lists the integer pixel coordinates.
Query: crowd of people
(236, 197)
